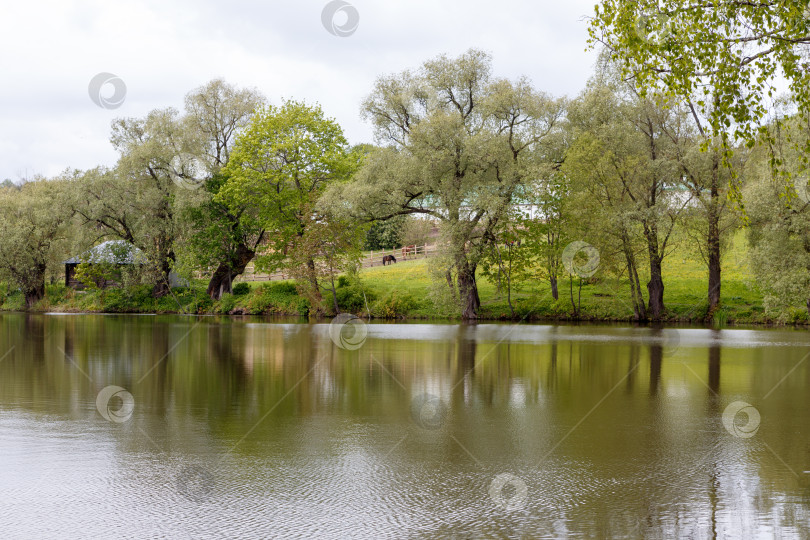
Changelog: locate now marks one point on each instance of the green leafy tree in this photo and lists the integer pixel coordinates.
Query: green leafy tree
(334, 245)
(725, 77)
(506, 261)
(547, 232)
(779, 225)
(723, 58)
(779, 237)
(710, 218)
(136, 201)
(35, 221)
(218, 237)
(623, 161)
(386, 234)
(219, 112)
(152, 197)
(279, 167)
(460, 143)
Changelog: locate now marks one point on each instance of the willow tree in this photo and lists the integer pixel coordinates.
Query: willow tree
(724, 60)
(219, 236)
(624, 163)
(779, 227)
(458, 145)
(34, 226)
(135, 201)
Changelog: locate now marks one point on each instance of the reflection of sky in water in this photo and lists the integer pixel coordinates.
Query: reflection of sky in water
(531, 333)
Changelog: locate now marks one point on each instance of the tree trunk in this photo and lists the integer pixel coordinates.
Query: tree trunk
(555, 293)
(655, 290)
(714, 275)
(468, 291)
(222, 278)
(35, 291)
(313, 280)
(162, 287)
(571, 294)
(334, 292)
(655, 287)
(509, 288)
(713, 241)
(639, 309)
(34, 295)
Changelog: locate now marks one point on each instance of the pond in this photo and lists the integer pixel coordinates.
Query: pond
(204, 427)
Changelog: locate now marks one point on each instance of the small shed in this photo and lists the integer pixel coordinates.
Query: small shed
(118, 253)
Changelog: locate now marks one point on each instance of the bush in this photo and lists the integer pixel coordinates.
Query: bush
(226, 303)
(14, 301)
(57, 292)
(394, 304)
(351, 299)
(720, 318)
(185, 299)
(276, 298)
(282, 287)
(797, 316)
(241, 289)
(351, 295)
(131, 300)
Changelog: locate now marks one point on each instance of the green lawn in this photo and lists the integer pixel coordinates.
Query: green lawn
(405, 290)
(685, 280)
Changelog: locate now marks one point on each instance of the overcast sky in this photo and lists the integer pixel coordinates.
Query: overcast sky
(51, 49)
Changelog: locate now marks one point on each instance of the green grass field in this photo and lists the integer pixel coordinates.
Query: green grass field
(607, 298)
(406, 290)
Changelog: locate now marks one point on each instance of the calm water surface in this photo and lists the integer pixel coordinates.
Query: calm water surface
(245, 428)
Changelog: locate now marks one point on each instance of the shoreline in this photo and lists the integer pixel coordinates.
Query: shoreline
(672, 322)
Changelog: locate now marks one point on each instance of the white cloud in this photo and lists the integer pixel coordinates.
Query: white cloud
(50, 49)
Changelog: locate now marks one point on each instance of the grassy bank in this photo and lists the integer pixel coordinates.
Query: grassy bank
(405, 290)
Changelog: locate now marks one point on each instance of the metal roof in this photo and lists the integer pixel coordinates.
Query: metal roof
(111, 251)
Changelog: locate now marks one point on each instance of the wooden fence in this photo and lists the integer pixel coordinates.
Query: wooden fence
(372, 258)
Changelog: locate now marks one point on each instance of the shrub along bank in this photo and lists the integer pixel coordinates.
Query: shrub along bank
(405, 290)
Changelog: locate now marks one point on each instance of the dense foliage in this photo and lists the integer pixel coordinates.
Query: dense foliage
(513, 188)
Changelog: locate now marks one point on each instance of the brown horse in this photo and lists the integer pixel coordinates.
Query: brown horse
(408, 250)
(389, 259)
